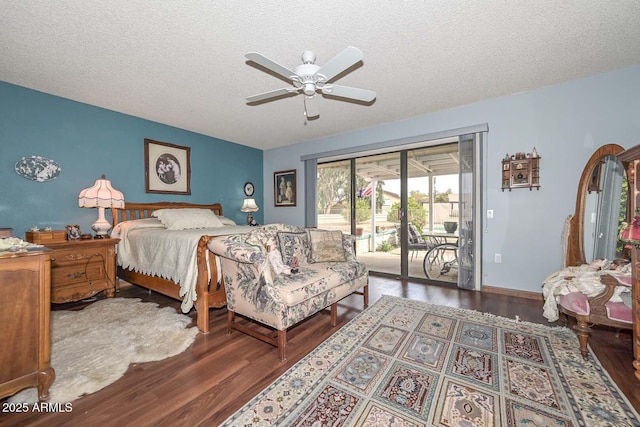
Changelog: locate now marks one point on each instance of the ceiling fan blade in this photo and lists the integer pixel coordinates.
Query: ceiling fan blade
(311, 107)
(350, 92)
(271, 65)
(340, 62)
(270, 94)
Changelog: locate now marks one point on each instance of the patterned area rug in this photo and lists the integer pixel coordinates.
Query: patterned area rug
(409, 363)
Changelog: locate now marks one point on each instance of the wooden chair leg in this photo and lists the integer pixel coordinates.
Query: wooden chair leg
(365, 295)
(334, 314)
(230, 319)
(282, 345)
(583, 331)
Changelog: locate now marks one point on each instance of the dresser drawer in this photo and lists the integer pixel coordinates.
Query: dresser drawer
(79, 256)
(78, 273)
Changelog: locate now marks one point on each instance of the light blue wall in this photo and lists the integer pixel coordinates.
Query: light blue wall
(87, 142)
(565, 122)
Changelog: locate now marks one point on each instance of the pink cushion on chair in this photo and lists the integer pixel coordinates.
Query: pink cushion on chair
(576, 302)
(618, 311)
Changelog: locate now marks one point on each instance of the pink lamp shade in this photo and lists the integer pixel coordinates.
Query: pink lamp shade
(102, 195)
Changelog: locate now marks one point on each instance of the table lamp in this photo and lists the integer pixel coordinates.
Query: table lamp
(249, 206)
(102, 195)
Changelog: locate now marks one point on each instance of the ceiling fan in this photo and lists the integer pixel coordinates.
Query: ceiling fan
(312, 80)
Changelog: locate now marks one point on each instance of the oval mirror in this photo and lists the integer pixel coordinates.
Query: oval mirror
(601, 207)
(604, 206)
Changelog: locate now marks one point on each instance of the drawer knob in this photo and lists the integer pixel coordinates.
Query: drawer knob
(75, 275)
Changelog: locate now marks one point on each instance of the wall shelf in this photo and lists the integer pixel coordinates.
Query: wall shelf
(521, 170)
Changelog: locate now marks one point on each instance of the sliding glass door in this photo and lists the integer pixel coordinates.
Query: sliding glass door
(377, 195)
(413, 211)
(333, 193)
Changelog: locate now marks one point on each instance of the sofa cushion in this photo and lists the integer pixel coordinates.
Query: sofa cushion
(314, 279)
(326, 245)
(294, 247)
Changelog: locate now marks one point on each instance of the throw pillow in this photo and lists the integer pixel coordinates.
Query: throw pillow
(184, 219)
(294, 247)
(348, 243)
(326, 245)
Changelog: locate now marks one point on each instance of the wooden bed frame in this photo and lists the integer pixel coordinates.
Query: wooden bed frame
(208, 295)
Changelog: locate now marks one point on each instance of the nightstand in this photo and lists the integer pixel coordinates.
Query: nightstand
(82, 268)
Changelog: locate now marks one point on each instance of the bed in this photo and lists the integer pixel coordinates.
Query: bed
(142, 235)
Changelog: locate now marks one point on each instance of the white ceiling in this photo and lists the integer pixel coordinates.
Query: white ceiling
(182, 62)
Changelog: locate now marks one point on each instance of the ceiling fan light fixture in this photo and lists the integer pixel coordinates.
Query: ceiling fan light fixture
(309, 89)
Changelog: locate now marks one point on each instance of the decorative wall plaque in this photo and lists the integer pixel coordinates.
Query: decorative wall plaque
(37, 168)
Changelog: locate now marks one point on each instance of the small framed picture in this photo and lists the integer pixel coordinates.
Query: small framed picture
(167, 168)
(284, 188)
(73, 231)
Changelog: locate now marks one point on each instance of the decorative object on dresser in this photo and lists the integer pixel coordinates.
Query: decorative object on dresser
(167, 168)
(249, 206)
(521, 170)
(73, 231)
(284, 188)
(93, 347)
(82, 268)
(6, 232)
(631, 158)
(43, 237)
(24, 316)
(197, 284)
(409, 363)
(102, 195)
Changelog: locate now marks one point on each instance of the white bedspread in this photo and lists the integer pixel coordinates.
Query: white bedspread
(147, 247)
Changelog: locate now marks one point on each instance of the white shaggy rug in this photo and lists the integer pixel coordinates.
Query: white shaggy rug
(94, 347)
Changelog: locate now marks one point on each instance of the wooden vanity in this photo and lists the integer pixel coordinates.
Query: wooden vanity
(25, 318)
(631, 158)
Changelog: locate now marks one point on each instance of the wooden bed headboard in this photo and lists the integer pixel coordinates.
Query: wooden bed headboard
(144, 210)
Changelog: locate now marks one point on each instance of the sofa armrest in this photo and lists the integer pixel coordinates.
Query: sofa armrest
(237, 249)
(597, 303)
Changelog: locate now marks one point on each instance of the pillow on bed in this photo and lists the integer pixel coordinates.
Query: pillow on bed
(226, 221)
(185, 219)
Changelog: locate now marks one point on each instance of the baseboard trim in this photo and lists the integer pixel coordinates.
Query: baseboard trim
(513, 293)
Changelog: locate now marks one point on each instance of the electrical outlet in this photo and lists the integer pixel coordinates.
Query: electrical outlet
(497, 258)
(489, 213)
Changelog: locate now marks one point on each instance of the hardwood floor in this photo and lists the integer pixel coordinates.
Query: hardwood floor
(219, 372)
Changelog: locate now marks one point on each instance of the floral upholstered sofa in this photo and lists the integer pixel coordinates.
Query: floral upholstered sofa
(279, 274)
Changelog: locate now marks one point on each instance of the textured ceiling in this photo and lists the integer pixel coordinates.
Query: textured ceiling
(182, 62)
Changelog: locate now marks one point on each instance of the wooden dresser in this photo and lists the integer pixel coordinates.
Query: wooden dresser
(82, 268)
(631, 158)
(25, 335)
